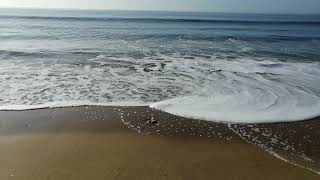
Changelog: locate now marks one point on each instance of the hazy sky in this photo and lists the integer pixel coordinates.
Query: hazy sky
(263, 6)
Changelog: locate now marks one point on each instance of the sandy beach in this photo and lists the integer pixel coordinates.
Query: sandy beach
(172, 90)
(141, 143)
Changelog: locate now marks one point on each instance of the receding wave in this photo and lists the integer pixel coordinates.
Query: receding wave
(214, 89)
(62, 104)
(256, 93)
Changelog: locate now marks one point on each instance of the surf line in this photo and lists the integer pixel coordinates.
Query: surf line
(271, 152)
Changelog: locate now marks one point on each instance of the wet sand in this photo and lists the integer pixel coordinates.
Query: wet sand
(141, 143)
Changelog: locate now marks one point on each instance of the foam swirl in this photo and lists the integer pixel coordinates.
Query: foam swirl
(256, 92)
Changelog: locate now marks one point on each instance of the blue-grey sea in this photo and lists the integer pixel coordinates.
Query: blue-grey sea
(212, 66)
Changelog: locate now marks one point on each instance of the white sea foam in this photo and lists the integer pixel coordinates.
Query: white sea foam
(253, 92)
(61, 104)
(216, 89)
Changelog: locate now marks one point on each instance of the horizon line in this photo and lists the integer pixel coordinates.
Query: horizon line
(151, 10)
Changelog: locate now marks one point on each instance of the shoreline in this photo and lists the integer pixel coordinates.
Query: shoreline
(143, 137)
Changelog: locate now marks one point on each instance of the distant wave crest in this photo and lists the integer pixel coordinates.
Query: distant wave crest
(175, 20)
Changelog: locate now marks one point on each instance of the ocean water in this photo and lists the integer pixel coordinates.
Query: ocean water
(236, 68)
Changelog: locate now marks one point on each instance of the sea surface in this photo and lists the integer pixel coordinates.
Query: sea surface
(236, 68)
